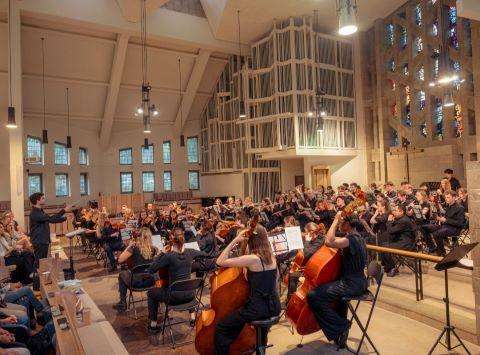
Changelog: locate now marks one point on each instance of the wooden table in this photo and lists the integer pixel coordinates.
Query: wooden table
(93, 335)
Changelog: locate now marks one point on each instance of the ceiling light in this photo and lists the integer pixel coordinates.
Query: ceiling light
(139, 111)
(448, 99)
(310, 114)
(323, 113)
(155, 112)
(432, 84)
(11, 123)
(347, 17)
(242, 115)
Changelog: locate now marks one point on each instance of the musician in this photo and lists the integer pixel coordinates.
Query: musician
(454, 183)
(449, 225)
(138, 252)
(279, 211)
(178, 261)
(208, 244)
(112, 242)
(352, 282)
(325, 212)
(390, 190)
(400, 234)
(40, 225)
(261, 273)
(463, 198)
(314, 239)
(379, 219)
(248, 206)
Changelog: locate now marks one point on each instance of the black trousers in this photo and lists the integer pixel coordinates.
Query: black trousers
(230, 327)
(25, 262)
(125, 280)
(333, 321)
(388, 260)
(41, 252)
(159, 295)
(440, 233)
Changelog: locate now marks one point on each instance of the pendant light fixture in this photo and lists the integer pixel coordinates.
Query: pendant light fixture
(180, 93)
(347, 17)
(146, 110)
(44, 132)
(69, 138)
(241, 104)
(145, 143)
(11, 122)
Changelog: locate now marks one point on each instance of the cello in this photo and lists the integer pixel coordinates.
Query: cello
(323, 267)
(229, 292)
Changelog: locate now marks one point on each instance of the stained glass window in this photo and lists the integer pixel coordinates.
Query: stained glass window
(421, 100)
(434, 29)
(34, 183)
(418, 15)
(126, 183)
(62, 156)
(423, 129)
(193, 180)
(417, 46)
(148, 181)
(125, 156)
(438, 119)
(421, 73)
(407, 119)
(402, 41)
(390, 34)
(452, 26)
(62, 185)
(405, 69)
(391, 65)
(147, 154)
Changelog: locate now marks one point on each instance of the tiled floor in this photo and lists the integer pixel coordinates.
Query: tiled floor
(392, 333)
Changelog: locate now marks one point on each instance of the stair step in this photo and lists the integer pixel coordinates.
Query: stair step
(430, 311)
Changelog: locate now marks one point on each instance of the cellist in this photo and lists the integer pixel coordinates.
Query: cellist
(261, 272)
(352, 282)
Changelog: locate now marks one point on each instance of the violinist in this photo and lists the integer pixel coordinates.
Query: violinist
(139, 252)
(280, 210)
(352, 282)
(248, 206)
(261, 273)
(207, 243)
(230, 207)
(113, 242)
(325, 212)
(178, 261)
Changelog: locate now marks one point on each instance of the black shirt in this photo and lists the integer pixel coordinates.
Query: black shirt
(401, 229)
(179, 264)
(454, 183)
(138, 258)
(207, 244)
(455, 216)
(40, 225)
(354, 258)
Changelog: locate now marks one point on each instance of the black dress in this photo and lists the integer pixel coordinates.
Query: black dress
(262, 303)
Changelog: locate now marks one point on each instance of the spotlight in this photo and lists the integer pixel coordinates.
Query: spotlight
(139, 111)
(347, 17)
(11, 123)
(432, 84)
(155, 112)
(323, 113)
(310, 114)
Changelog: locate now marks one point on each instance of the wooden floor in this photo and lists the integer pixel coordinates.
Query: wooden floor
(392, 333)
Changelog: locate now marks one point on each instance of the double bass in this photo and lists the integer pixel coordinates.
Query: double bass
(229, 292)
(323, 267)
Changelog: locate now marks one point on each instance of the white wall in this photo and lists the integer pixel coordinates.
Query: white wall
(222, 185)
(289, 169)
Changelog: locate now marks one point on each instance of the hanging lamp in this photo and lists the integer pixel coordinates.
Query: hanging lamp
(347, 17)
(44, 131)
(69, 138)
(146, 110)
(11, 122)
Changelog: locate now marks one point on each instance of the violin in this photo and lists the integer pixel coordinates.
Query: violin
(229, 292)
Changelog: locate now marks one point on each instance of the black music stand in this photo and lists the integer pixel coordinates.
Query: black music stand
(451, 260)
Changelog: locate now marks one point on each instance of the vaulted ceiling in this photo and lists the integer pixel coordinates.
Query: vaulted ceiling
(93, 48)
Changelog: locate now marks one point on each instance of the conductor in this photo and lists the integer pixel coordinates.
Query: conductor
(40, 225)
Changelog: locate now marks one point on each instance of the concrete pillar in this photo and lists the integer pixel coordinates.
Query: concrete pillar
(473, 184)
(17, 195)
(359, 110)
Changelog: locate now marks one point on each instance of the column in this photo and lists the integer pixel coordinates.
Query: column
(473, 183)
(476, 80)
(17, 195)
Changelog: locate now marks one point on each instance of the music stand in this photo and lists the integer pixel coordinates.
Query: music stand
(451, 260)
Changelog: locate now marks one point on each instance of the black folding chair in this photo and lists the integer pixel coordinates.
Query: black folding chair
(374, 272)
(138, 270)
(180, 287)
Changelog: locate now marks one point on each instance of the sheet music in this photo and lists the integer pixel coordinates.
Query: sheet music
(126, 233)
(157, 242)
(194, 231)
(294, 238)
(279, 244)
(192, 245)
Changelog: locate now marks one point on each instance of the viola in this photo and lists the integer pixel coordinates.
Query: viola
(229, 292)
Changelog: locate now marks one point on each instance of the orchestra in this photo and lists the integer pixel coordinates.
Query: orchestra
(231, 244)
